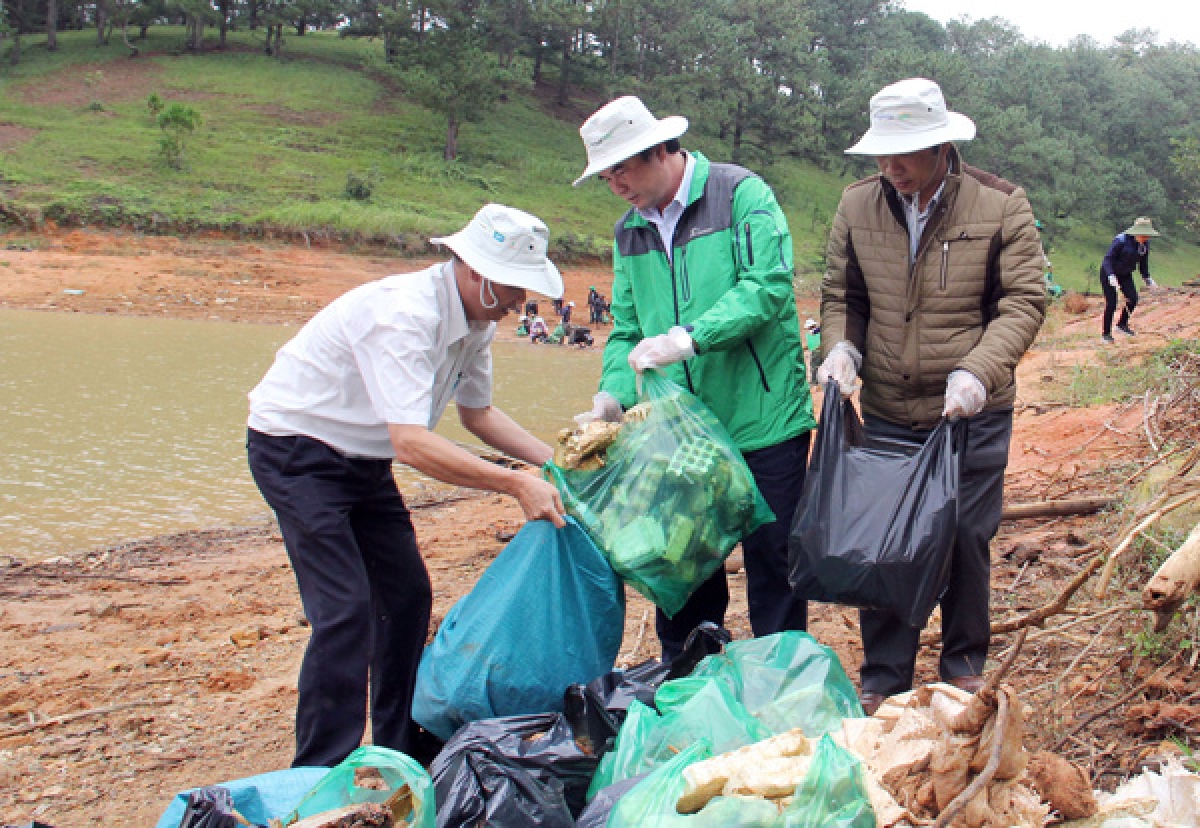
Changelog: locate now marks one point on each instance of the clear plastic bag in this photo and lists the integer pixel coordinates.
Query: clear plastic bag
(673, 498)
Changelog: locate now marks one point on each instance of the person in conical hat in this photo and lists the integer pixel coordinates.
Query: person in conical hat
(1129, 251)
(361, 385)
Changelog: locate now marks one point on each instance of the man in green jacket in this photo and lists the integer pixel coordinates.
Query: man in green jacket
(702, 290)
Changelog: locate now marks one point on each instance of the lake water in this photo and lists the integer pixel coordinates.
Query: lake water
(119, 428)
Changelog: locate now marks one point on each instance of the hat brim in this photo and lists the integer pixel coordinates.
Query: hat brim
(667, 128)
(1142, 231)
(544, 279)
(958, 127)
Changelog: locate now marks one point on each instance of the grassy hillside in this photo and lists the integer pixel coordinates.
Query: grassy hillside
(280, 139)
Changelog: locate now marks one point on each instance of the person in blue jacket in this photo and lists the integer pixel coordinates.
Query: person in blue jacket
(1129, 250)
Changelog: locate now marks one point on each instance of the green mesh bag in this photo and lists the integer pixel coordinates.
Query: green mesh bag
(672, 500)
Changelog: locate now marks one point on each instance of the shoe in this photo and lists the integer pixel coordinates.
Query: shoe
(1125, 329)
(971, 684)
(870, 702)
(1107, 338)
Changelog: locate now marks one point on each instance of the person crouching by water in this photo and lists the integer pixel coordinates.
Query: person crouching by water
(1129, 250)
(363, 384)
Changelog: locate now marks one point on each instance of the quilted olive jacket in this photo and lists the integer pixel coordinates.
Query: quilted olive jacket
(972, 298)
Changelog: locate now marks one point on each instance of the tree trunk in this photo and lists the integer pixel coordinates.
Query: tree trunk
(51, 25)
(145, 29)
(614, 44)
(253, 14)
(223, 7)
(451, 152)
(101, 22)
(537, 63)
(133, 50)
(564, 74)
(737, 134)
(14, 57)
(279, 40)
(301, 26)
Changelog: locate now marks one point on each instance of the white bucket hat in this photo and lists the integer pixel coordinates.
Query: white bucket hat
(507, 246)
(810, 323)
(911, 115)
(621, 129)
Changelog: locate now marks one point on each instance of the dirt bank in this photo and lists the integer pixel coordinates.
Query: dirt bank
(129, 673)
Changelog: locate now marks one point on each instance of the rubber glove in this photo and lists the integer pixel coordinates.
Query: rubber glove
(605, 407)
(1112, 279)
(1150, 282)
(965, 395)
(665, 349)
(841, 366)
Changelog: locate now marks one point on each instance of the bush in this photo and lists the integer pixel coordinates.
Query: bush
(360, 187)
(154, 104)
(176, 121)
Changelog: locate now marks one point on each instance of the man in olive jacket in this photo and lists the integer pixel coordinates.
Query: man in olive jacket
(933, 292)
(702, 289)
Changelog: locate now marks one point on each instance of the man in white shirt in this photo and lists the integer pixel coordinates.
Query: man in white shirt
(363, 384)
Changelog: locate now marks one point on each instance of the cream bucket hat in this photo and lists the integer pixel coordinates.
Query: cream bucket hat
(1142, 227)
(621, 129)
(507, 246)
(911, 115)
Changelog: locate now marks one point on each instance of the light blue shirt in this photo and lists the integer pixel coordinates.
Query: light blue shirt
(917, 218)
(667, 220)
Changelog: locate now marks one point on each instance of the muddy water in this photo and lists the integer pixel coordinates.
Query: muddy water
(116, 428)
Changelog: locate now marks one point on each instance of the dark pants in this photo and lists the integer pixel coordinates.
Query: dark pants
(889, 645)
(1129, 289)
(364, 587)
(779, 472)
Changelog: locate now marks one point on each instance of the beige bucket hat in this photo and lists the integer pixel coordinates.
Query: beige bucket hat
(911, 115)
(621, 129)
(1142, 226)
(507, 246)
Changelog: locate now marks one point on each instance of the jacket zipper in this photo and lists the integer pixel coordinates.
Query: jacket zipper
(675, 303)
(945, 255)
(685, 279)
(762, 375)
(749, 245)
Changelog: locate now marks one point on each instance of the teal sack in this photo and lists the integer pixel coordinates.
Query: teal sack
(673, 498)
(397, 771)
(786, 680)
(547, 613)
(692, 710)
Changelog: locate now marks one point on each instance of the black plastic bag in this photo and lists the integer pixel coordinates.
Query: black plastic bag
(518, 771)
(876, 523)
(596, 814)
(210, 807)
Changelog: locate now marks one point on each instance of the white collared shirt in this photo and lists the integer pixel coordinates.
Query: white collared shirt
(391, 351)
(917, 218)
(667, 220)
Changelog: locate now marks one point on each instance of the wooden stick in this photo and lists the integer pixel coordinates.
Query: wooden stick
(1110, 566)
(1037, 617)
(82, 714)
(1056, 508)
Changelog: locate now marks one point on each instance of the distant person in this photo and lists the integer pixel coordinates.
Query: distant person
(363, 384)
(933, 291)
(702, 291)
(538, 330)
(594, 302)
(812, 344)
(1129, 250)
(531, 308)
(566, 314)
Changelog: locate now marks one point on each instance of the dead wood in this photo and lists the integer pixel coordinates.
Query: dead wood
(981, 781)
(1056, 508)
(1175, 580)
(82, 714)
(1184, 493)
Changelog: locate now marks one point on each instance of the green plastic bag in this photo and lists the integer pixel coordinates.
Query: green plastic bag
(672, 500)
(833, 794)
(785, 680)
(692, 709)
(337, 789)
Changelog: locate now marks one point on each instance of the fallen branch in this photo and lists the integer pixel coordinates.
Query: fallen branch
(1037, 617)
(1110, 566)
(82, 714)
(1056, 508)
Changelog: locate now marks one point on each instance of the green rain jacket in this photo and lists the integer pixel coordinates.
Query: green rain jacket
(731, 286)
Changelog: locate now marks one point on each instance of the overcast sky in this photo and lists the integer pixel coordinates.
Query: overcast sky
(1057, 21)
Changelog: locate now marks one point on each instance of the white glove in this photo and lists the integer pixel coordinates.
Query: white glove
(1112, 279)
(605, 407)
(665, 349)
(841, 366)
(965, 395)
(1150, 282)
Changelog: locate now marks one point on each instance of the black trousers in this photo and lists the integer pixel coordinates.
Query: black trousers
(364, 587)
(779, 472)
(1129, 289)
(889, 645)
